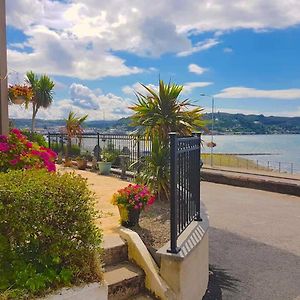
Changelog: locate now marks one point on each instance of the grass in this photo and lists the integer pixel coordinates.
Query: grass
(234, 161)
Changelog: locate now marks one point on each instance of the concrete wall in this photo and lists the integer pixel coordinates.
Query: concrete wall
(251, 182)
(187, 271)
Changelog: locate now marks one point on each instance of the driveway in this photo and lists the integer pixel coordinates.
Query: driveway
(254, 242)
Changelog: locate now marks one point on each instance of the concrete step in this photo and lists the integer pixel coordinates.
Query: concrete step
(115, 250)
(143, 296)
(124, 280)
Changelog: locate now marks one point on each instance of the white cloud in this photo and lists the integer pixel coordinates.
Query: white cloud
(81, 38)
(193, 68)
(83, 100)
(138, 88)
(245, 92)
(228, 50)
(190, 86)
(200, 46)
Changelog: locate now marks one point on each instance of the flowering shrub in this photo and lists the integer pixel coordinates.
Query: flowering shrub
(17, 152)
(48, 236)
(133, 196)
(22, 91)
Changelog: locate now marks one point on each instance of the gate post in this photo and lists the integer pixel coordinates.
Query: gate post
(173, 192)
(197, 181)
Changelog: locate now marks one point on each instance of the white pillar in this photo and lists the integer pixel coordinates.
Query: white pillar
(3, 72)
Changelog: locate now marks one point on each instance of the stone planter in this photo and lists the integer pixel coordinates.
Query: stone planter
(129, 217)
(104, 167)
(81, 164)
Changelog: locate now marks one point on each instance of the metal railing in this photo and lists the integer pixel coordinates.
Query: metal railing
(248, 163)
(135, 147)
(185, 167)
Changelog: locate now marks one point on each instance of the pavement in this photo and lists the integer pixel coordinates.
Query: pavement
(254, 242)
(103, 187)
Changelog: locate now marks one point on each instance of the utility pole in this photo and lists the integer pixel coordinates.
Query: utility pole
(3, 72)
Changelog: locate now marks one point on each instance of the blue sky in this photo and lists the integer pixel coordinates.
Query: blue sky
(245, 54)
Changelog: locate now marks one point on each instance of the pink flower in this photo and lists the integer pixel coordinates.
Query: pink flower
(16, 131)
(4, 147)
(136, 207)
(151, 200)
(3, 138)
(13, 162)
(29, 144)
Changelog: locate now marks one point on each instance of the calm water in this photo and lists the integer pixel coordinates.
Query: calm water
(283, 148)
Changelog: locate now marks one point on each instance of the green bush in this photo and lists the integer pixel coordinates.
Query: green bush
(48, 238)
(74, 151)
(35, 137)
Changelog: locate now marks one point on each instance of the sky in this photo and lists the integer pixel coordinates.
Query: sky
(244, 53)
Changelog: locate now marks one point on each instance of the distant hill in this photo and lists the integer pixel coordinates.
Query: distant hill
(255, 124)
(225, 123)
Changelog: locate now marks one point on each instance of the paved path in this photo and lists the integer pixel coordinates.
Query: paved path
(254, 241)
(103, 187)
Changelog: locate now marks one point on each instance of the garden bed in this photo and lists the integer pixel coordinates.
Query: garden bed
(154, 225)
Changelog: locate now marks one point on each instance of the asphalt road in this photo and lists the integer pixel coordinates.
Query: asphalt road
(254, 242)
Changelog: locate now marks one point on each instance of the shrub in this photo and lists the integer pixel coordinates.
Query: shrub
(48, 238)
(74, 151)
(35, 137)
(17, 152)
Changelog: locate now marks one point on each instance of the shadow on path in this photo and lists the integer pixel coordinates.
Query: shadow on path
(219, 279)
(246, 269)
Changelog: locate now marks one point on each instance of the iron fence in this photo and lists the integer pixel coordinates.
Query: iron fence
(249, 162)
(133, 146)
(185, 164)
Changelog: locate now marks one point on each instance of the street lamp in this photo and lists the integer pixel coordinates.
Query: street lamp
(212, 144)
(3, 72)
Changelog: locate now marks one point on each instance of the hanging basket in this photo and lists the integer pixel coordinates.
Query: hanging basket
(18, 100)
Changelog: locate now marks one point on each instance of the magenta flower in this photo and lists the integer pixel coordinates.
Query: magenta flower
(13, 162)
(29, 144)
(3, 138)
(4, 147)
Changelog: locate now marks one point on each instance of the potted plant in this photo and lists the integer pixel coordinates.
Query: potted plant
(104, 165)
(82, 160)
(131, 201)
(19, 94)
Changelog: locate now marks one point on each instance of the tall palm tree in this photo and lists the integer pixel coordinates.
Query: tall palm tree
(42, 93)
(159, 113)
(74, 128)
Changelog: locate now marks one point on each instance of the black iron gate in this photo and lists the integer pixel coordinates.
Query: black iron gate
(185, 164)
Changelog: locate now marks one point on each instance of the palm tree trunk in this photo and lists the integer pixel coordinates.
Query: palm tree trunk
(34, 112)
(68, 148)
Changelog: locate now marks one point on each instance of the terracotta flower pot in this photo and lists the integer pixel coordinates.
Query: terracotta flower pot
(129, 216)
(81, 164)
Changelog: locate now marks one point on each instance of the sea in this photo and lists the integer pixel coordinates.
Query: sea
(277, 151)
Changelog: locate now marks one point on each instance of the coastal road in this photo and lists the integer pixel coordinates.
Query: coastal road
(254, 242)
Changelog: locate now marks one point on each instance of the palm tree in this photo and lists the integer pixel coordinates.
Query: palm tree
(73, 128)
(159, 113)
(42, 93)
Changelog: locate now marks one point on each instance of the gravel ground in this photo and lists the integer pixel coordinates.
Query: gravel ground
(154, 225)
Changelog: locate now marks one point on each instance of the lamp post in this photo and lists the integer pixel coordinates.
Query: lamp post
(3, 72)
(212, 126)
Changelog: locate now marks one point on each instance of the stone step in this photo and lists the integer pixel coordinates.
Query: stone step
(115, 250)
(124, 281)
(143, 296)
